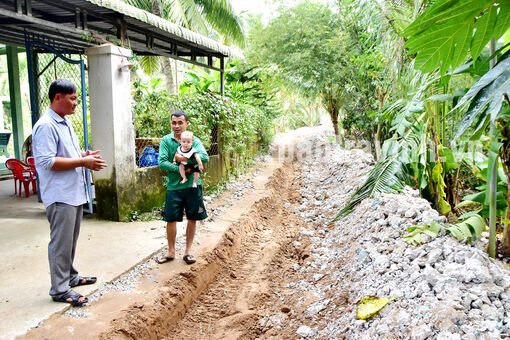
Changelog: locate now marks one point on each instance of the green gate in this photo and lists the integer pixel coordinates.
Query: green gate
(45, 64)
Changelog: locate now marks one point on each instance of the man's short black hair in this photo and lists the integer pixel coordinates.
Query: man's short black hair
(180, 114)
(61, 86)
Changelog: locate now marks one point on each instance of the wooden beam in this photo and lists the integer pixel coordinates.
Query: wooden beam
(222, 76)
(44, 23)
(28, 7)
(3, 50)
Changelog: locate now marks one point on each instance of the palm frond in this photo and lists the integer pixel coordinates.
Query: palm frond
(220, 15)
(388, 176)
(142, 4)
(186, 13)
(151, 65)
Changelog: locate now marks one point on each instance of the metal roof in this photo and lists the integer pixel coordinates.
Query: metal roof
(73, 26)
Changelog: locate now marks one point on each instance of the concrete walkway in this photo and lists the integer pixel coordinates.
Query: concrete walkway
(105, 249)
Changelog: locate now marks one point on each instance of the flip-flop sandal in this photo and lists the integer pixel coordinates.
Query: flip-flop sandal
(163, 259)
(88, 281)
(189, 259)
(75, 298)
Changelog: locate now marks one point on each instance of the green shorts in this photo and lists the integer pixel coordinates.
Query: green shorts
(189, 199)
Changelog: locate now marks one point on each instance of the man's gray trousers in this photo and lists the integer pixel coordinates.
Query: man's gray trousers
(65, 222)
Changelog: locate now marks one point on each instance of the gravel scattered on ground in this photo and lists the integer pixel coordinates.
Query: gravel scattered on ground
(444, 289)
(128, 281)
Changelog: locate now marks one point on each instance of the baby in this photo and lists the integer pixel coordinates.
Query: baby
(186, 150)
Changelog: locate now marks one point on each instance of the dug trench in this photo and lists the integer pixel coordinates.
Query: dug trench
(225, 296)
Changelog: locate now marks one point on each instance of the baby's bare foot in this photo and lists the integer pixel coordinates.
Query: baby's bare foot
(183, 181)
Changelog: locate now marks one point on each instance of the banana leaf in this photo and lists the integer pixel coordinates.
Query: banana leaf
(470, 229)
(486, 95)
(443, 34)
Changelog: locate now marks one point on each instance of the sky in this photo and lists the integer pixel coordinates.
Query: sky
(268, 8)
(265, 7)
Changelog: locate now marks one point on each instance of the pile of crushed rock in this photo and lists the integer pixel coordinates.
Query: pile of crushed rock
(444, 289)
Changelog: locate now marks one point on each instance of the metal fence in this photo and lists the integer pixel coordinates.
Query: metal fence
(49, 67)
(147, 149)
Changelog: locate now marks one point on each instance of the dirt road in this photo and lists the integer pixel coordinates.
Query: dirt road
(225, 294)
(271, 265)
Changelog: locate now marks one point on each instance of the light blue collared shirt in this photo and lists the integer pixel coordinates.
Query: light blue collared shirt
(54, 136)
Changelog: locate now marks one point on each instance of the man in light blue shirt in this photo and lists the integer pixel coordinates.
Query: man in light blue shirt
(60, 168)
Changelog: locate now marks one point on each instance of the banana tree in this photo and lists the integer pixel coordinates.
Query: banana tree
(442, 37)
(488, 101)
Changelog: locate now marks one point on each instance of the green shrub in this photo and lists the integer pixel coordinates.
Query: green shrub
(239, 124)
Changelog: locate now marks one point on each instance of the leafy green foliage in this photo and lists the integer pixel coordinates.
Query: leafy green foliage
(415, 233)
(239, 125)
(311, 50)
(202, 16)
(437, 177)
(481, 197)
(445, 32)
(486, 96)
(469, 230)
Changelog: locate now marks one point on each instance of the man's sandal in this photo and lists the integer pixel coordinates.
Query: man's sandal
(75, 298)
(88, 281)
(163, 259)
(189, 259)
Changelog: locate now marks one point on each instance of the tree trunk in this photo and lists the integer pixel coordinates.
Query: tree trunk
(176, 77)
(378, 143)
(167, 70)
(506, 232)
(157, 9)
(381, 94)
(334, 120)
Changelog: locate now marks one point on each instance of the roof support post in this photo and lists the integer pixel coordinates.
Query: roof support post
(77, 21)
(28, 7)
(112, 130)
(84, 24)
(15, 97)
(222, 76)
(19, 7)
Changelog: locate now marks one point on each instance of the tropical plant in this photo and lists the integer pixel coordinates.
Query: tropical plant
(208, 17)
(468, 230)
(445, 32)
(238, 125)
(488, 100)
(386, 176)
(441, 38)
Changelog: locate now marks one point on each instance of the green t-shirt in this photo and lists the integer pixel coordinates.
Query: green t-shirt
(167, 149)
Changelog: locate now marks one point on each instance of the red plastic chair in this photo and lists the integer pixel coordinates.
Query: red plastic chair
(31, 164)
(22, 173)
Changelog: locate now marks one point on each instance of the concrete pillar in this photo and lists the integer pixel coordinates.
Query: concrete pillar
(15, 95)
(112, 129)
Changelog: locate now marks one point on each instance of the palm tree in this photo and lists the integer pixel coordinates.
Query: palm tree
(207, 17)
